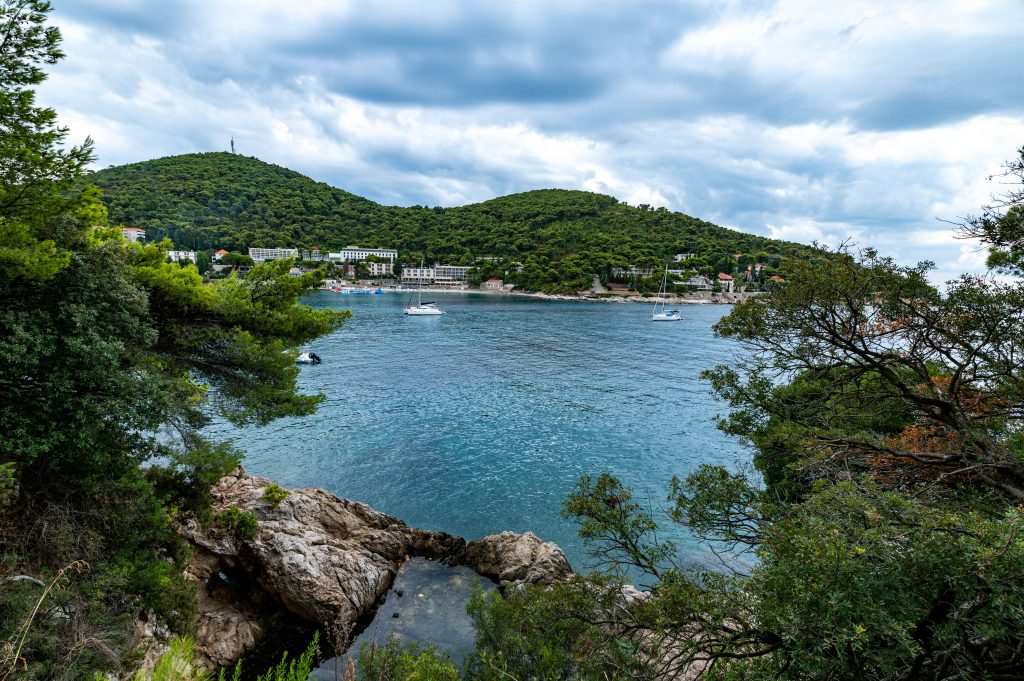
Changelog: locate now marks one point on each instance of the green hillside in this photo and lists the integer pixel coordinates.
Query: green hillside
(222, 200)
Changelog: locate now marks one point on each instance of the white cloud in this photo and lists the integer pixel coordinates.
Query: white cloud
(796, 120)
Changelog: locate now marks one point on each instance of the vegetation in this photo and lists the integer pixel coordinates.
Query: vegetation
(274, 494)
(546, 240)
(111, 362)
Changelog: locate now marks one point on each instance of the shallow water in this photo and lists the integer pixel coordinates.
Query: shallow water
(430, 601)
(482, 420)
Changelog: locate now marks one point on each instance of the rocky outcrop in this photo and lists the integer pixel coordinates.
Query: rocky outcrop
(326, 560)
(510, 558)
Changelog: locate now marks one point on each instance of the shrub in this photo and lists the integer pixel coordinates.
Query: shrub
(275, 494)
(234, 522)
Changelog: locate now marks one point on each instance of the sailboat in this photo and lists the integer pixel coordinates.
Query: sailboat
(421, 308)
(664, 315)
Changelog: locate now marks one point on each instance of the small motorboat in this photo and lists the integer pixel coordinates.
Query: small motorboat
(308, 358)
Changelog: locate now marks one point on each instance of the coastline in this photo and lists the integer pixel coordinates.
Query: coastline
(699, 298)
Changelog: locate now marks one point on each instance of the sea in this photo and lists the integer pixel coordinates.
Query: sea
(483, 419)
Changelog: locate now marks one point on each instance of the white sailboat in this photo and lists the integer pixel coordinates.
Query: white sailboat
(664, 315)
(421, 308)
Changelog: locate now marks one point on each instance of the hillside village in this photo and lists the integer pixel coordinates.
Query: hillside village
(383, 267)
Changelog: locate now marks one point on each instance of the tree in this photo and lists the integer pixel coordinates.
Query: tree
(236, 260)
(112, 360)
(36, 173)
(1001, 223)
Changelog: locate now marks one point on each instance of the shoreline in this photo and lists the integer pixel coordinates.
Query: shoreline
(703, 298)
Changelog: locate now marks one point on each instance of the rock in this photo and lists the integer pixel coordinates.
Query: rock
(511, 558)
(327, 560)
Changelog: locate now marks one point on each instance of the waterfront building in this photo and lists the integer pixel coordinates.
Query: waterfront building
(220, 254)
(265, 254)
(133, 234)
(358, 254)
(178, 256)
(417, 275)
(381, 269)
(493, 284)
(450, 274)
(726, 281)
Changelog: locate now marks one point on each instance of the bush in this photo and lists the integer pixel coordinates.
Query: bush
(275, 494)
(234, 522)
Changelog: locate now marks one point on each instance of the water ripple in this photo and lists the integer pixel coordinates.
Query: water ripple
(482, 420)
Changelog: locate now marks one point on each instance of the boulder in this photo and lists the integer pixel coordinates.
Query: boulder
(510, 558)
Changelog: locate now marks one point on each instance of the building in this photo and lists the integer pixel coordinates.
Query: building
(264, 254)
(633, 271)
(178, 256)
(726, 282)
(314, 255)
(418, 275)
(133, 234)
(680, 257)
(357, 254)
(219, 254)
(493, 285)
(450, 274)
(777, 279)
(381, 269)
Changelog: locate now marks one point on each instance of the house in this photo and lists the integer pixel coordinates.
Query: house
(726, 282)
(697, 283)
(493, 285)
(220, 254)
(777, 279)
(133, 234)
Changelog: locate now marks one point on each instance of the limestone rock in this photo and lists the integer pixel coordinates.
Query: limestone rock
(327, 560)
(512, 558)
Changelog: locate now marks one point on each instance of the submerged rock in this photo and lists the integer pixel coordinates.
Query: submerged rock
(327, 560)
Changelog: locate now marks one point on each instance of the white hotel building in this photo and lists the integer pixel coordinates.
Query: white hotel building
(438, 274)
(178, 256)
(264, 254)
(358, 254)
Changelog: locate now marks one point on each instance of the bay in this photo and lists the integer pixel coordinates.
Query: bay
(482, 420)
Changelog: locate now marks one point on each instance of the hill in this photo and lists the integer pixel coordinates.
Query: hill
(222, 200)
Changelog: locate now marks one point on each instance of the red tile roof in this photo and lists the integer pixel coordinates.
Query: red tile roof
(722, 276)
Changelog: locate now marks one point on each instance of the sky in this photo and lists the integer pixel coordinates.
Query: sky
(867, 122)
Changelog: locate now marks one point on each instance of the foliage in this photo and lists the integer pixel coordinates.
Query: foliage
(236, 260)
(236, 523)
(550, 240)
(274, 494)
(397, 662)
(561, 632)
(1001, 224)
(178, 664)
(112, 360)
(36, 172)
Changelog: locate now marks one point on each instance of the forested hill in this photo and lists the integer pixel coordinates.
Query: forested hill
(222, 200)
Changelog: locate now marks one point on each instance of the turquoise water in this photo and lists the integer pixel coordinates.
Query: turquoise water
(482, 420)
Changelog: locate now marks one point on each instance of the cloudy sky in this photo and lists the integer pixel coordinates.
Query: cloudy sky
(869, 121)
